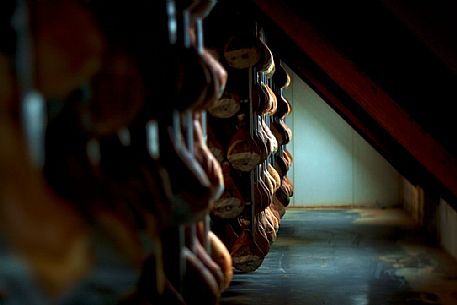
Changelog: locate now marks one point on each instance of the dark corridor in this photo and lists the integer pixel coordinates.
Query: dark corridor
(348, 257)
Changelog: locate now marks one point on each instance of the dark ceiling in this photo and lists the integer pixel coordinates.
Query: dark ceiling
(382, 45)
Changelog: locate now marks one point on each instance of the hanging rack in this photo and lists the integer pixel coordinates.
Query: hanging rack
(177, 33)
(152, 126)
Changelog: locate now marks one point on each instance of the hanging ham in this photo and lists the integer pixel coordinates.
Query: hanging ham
(278, 206)
(116, 95)
(226, 106)
(248, 252)
(218, 80)
(199, 285)
(281, 78)
(266, 226)
(266, 65)
(271, 140)
(263, 195)
(261, 101)
(196, 247)
(215, 146)
(220, 254)
(242, 52)
(207, 160)
(274, 174)
(281, 163)
(190, 185)
(226, 231)
(272, 101)
(60, 66)
(231, 204)
(243, 153)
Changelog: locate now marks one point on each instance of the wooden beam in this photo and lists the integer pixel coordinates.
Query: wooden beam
(366, 93)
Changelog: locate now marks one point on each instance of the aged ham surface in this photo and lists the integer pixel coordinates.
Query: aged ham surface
(267, 226)
(272, 142)
(60, 66)
(261, 101)
(288, 157)
(262, 141)
(280, 164)
(273, 216)
(209, 263)
(199, 285)
(226, 106)
(117, 81)
(248, 253)
(222, 131)
(278, 206)
(269, 181)
(202, 8)
(227, 231)
(59, 254)
(242, 52)
(231, 204)
(207, 160)
(196, 82)
(274, 174)
(221, 255)
(283, 108)
(288, 186)
(272, 101)
(277, 129)
(243, 153)
(263, 195)
(288, 134)
(218, 80)
(189, 183)
(215, 146)
(266, 65)
(281, 78)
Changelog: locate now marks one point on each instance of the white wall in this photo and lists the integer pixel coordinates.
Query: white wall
(447, 227)
(413, 201)
(332, 164)
(444, 219)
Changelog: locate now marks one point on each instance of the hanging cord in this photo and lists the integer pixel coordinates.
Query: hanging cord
(32, 103)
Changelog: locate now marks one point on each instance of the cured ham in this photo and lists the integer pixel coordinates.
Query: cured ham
(226, 106)
(220, 254)
(243, 153)
(248, 252)
(207, 160)
(200, 287)
(231, 204)
(242, 52)
(190, 186)
(60, 66)
(281, 78)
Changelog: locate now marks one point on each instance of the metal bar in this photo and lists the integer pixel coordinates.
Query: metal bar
(33, 106)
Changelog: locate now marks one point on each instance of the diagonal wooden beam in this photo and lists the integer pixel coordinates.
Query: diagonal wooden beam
(366, 93)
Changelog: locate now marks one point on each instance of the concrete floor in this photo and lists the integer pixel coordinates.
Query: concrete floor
(348, 257)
